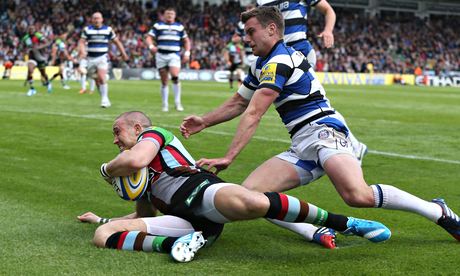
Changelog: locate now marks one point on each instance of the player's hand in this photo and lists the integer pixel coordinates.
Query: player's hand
(125, 57)
(217, 164)
(191, 125)
(153, 49)
(89, 217)
(328, 39)
(185, 59)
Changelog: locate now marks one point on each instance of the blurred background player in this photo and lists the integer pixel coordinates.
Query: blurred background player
(59, 55)
(98, 37)
(36, 44)
(82, 69)
(8, 65)
(165, 40)
(234, 55)
(249, 57)
(295, 20)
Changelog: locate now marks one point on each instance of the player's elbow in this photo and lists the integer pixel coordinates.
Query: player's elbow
(100, 236)
(252, 116)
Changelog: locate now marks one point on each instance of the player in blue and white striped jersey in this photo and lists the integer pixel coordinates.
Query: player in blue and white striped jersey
(320, 143)
(295, 20)
(94, 45)
(165, 40)
(295, 35)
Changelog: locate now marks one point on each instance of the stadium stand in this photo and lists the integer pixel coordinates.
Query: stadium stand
(370, 35)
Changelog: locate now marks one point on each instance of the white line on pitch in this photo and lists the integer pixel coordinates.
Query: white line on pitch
(261, 138)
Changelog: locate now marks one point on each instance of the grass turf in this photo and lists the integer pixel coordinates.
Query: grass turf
(51, 147)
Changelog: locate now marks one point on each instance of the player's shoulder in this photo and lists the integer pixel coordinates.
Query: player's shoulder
(162, 135)
(282, 54)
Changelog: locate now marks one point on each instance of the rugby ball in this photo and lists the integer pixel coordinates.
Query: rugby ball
(131, 187)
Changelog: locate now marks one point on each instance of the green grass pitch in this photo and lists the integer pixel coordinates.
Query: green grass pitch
(52, 145)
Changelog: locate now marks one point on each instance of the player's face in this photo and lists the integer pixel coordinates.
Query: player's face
(96, 19)
(236, 38)
(257, 37)
(124, 136)
(170, 16)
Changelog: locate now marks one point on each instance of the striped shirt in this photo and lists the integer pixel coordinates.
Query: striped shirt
(171, 167)
(168, 36)
(98, 39)
(295, 14)
(301, 95)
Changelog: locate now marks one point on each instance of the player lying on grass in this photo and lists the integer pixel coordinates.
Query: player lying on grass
(179, 189)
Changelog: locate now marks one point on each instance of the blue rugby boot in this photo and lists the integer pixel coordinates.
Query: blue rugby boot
(449, 220)
(185, 247)
(371, 230)
(325, 236)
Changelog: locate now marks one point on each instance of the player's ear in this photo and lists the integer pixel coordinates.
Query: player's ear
(271, 29)
(138, 128)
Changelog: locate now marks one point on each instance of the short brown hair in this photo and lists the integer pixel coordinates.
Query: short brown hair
(136, 117)
(265, 16)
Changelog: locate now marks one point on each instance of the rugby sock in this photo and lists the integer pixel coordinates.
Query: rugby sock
(83, 82)
(389, 197)
(31, 84)
(304, 229)
(291, 209)
(164, 94)
(140, 241)
(92, 84)
(177, 91)
(104, 89)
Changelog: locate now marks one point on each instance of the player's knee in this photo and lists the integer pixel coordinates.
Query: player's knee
(358, 198)
(175, 80)
(250, 204)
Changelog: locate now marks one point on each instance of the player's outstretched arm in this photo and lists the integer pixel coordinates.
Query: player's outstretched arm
(249, 122)
(90, 217)
(329, 22)
(230, 109)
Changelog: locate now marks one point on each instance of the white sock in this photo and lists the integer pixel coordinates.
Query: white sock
(306, 230)
(164, 95)
(104, 89)
(177, 90)
(83, 82)
(92, 84)
(389, 197)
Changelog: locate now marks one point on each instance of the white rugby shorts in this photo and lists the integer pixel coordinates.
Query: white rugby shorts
(311, 146)
(170, 60)
(98, 63)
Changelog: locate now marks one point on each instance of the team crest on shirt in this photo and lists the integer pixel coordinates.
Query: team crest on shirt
(323, 134)
(268, 74)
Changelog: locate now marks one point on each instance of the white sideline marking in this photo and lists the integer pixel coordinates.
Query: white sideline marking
(261, 138)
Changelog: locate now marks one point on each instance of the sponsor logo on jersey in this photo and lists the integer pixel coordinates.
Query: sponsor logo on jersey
(268, 74)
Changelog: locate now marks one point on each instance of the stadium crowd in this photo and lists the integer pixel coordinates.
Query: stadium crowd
(383, 43)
